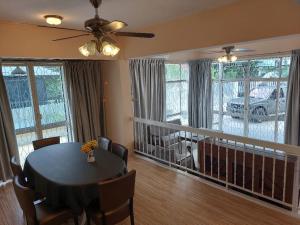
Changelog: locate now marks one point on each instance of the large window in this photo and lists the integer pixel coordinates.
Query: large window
(177, 92)
(249, 97)
(36, 95)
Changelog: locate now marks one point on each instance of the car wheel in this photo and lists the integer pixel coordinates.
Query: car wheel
(259, 114)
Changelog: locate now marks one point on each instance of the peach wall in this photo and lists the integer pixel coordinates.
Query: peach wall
(29, 41)
(245, 20)
(118, 105)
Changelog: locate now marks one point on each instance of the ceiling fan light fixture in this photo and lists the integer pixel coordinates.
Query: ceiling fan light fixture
(53, 19)
(89, 48)
(227, 58)
(109, 49)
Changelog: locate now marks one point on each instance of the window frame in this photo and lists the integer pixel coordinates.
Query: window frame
(220, 80)
(178, 81)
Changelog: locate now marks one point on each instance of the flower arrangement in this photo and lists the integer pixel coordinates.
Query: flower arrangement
(89, 146)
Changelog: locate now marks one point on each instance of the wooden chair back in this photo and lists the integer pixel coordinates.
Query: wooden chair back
(45, 142)
(116, 198)
(121, 151)
(15, 167)
(104, 143)
(25, 198)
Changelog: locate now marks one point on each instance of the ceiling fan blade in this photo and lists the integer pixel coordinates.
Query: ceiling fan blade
(63, 28)
(80, 35)
(113, 26)
(242, 50)
(134, 34)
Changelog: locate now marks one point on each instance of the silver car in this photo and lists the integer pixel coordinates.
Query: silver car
(262, 103)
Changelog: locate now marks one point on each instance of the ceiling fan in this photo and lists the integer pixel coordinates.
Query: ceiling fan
(103, 31)
(229, 56)
(230, 49)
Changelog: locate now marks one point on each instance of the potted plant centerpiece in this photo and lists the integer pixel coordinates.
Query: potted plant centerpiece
(88, 148)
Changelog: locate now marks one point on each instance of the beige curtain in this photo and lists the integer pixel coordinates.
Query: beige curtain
(292, 119)
(8, 142)
(200, 94)
(148, 88)
(84, 90)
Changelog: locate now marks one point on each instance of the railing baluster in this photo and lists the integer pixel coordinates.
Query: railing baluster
(263, 172)
(244, 165)
(284, 177)
(146, 139)
(253, 164)
(235, 162)
(204, 168)
(191, 153)
(227, 164)
(159, 143)
(211, 158)
(273, 173)
(218, 159)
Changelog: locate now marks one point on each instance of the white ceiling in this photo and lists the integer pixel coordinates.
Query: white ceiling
(137, 13)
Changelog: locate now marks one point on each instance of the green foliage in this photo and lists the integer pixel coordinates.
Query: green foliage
(172, 72)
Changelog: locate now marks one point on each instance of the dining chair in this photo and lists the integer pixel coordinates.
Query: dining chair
(37, 144)
(115, 201)
(37, 213)
(121, 151)
(104, 143)
(15, 167)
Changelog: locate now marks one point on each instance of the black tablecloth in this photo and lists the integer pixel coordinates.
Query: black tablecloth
(62, 174)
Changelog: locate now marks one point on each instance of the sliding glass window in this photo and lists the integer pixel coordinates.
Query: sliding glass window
(249, 97)
(37, 100)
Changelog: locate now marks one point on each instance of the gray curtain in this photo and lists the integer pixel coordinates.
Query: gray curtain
(84, 90)
(200, 94)
(8, 142)
(148, 88)
(292, 123)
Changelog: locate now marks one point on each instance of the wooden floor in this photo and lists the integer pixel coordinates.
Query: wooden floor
(165, 197)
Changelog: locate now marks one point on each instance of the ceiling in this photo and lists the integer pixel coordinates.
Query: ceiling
(137, 13)
(259, 48)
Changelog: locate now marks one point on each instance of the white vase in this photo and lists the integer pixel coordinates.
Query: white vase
(91, 156)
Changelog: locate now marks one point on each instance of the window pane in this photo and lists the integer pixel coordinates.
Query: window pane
(19, 94)
(50, 94)
(215, 71)
(286, 61)
(172, 72)
(262, 110)
(265, 68)
(173, 99)
(184, 102)
(233, 106)
(235, 70)
(184, 72)
(216, 95)
(51, 101)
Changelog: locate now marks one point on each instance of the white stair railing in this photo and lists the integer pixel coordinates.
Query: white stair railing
(264, 170)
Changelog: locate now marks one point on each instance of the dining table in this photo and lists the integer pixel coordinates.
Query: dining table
(62, 175)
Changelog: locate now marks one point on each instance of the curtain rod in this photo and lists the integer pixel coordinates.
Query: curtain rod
(43, 60)
(262, 55)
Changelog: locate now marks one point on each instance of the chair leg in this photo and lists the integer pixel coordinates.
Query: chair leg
(131, 212)
(76, 220)
(88, 220)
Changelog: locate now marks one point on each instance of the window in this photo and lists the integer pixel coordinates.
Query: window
(37, 100)
(246, 100)
(177, 92)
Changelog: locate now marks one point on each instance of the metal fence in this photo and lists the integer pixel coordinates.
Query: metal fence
(262, 170)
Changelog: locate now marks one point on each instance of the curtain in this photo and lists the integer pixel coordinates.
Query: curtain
(148, 88)
(200, 94)
(84, 92)
(8, 142)
(292, 121)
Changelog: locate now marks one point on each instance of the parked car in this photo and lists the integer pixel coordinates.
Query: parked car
(262, 103)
